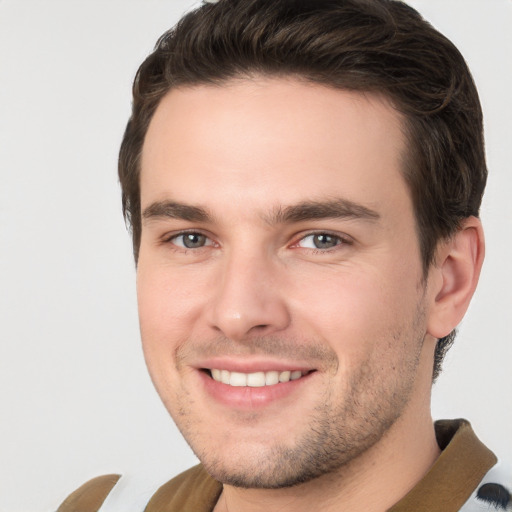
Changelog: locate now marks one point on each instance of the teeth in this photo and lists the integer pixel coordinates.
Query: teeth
(238, 379)
(254, 380)
(224, 376)
(284, 376)
(271, 378)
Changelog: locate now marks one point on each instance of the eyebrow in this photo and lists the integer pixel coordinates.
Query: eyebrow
(307, 210)
(174, 210)
(317, 210)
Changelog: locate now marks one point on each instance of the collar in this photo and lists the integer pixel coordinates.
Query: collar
(456, 473)
(446, 487)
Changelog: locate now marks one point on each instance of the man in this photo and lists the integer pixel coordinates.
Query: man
(303, 181)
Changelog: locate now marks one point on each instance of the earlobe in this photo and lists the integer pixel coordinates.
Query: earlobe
(458, 264)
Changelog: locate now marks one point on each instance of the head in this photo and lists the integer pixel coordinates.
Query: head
(375, 46)
(395, 76)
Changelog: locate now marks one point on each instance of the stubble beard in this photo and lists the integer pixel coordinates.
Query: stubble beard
(337, 432)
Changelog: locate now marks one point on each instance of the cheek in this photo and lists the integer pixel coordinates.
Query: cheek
(352, 309)
(168, 301)
(161, 308)
(159, 317)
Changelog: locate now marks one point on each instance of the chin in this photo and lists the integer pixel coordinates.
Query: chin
(319, 452)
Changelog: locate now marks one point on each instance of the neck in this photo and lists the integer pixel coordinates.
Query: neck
(373, 482)
(364, 486)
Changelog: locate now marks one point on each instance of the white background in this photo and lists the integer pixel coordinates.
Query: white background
(75, 400)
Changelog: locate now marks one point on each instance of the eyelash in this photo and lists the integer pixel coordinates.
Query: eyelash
(340, 241)
(172, 238)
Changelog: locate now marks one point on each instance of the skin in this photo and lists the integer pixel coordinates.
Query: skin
(239, 166)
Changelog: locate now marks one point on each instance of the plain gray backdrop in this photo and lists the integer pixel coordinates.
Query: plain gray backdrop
(75, 399)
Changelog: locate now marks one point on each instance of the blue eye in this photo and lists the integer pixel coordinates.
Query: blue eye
(320, 241)
(191, 240)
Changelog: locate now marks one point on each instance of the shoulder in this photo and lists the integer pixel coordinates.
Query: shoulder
(490, 477)
(90, 496)
(193, 489)
(494, 491)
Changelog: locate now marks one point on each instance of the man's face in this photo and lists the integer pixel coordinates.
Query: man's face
(281, 300)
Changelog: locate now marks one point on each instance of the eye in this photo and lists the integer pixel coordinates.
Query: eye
(320, 241)
(191, 240)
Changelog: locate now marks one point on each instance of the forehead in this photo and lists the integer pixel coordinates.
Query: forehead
(266, 141)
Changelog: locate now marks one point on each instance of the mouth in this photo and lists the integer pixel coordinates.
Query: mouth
(250, 385)
(257, 379)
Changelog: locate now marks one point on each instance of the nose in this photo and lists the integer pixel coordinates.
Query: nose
(248, 298)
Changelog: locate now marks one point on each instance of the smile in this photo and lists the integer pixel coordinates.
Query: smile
(256, 379)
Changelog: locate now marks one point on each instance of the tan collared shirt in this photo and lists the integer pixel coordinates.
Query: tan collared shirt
(445, 488)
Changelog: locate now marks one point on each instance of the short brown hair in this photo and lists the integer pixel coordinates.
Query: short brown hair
(381, 46)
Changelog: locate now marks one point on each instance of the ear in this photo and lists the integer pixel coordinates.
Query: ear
(454, 277)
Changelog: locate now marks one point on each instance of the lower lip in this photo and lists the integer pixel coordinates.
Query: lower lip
(246, 397)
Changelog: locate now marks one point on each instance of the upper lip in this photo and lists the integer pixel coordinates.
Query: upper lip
(252, 365)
